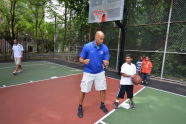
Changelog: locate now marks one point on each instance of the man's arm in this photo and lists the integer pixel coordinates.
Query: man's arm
(12, 53)
(83, 56)
(22, 52)
(106, 57)
(12, 56)
(21, 55)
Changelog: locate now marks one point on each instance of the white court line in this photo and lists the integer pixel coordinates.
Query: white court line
(156, 89)
(22, 61)
(64, 66)
(101, 120)
(3, 63)
(23, 66)
(166, 91)
(53, 77)
(39, 81)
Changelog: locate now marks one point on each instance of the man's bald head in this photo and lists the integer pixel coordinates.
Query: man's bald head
(99, 37)
(98, 33)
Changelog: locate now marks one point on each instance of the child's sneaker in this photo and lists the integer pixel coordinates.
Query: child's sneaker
(14, 72)
(131, 103)
(19, 71)
(116, 104)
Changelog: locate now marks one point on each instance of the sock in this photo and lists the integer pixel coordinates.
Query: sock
(130, 101)
(102, 103)
(80, 105)
(117, 100)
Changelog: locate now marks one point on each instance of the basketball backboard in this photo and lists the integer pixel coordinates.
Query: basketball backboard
(105, 10)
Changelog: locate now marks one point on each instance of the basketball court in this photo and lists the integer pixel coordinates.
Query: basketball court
(48, 93)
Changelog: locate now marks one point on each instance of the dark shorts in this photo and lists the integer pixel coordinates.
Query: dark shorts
(125, 88)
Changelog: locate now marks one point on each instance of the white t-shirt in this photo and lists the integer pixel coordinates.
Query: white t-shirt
(17, 49)
(129, 69)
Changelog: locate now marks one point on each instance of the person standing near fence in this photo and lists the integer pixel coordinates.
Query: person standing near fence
(17, 54)
(138, 65)
(94, 56)
(146, 68)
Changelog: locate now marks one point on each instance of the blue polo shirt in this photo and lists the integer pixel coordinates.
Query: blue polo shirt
(96, 54)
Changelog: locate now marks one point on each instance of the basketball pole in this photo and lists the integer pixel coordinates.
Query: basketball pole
(122, 26)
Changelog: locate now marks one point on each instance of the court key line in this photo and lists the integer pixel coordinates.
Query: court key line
(22, 61)
(64, 66)
(166, 91)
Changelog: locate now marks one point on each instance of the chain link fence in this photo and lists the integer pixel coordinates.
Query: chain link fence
(148, 30)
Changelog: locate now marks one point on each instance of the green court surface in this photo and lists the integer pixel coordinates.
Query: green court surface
(152, 107)
(33, 71)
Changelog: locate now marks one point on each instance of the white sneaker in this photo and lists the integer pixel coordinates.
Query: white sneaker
(20, 71)
(14, 73)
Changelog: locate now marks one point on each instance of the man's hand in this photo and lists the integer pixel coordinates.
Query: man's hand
(106, 62)
(86, 61)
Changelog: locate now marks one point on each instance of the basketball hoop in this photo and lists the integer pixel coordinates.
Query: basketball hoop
(100, 15)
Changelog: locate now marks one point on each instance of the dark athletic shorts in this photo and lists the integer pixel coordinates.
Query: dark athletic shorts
(123, 89)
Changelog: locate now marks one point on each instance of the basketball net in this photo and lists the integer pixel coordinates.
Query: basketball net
(100, 15)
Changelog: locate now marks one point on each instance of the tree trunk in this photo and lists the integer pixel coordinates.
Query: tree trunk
(65, 25)
(36, 27)
(12, 20)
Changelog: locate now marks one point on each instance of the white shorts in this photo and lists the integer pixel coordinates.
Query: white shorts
(88, 79)
(17, 60)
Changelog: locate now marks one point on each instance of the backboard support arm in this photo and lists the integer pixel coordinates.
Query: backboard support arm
(122, 26)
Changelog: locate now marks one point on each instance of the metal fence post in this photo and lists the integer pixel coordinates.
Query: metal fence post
(117, 61)
(166, 40)
(68, 53)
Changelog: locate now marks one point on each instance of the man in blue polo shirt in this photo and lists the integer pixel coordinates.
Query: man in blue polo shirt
(94, 56)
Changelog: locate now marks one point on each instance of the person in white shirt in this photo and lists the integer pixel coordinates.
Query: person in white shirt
(17, 54)
(128, 70)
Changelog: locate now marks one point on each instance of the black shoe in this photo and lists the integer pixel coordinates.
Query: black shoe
(116, 104)
(144, 82)
(103, 108)
(80, 112)
(131, 105)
